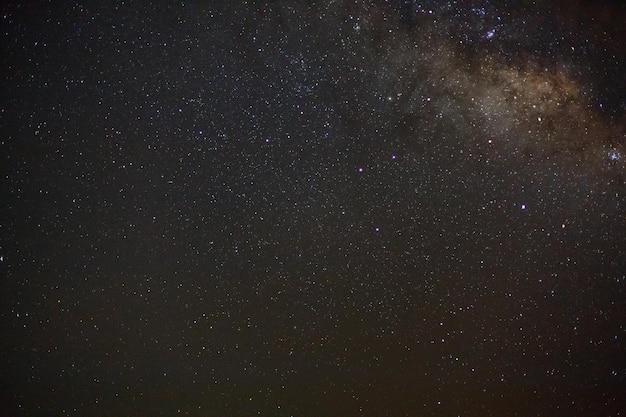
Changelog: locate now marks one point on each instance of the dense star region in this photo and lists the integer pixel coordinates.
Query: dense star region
(313, 208)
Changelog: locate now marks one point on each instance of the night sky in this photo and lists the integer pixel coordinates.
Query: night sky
(313, 208)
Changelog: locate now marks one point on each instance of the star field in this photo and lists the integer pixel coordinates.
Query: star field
(340, 208)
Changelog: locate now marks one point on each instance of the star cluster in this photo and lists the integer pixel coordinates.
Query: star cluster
(375, 208)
